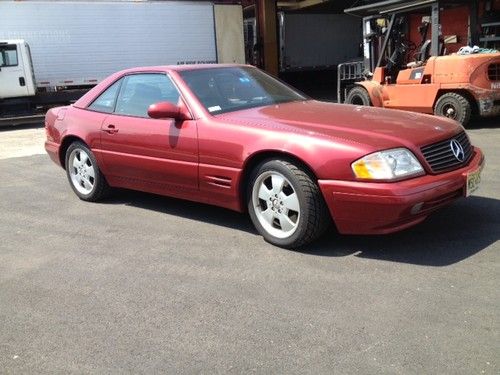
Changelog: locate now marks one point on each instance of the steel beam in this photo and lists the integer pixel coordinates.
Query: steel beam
(435, 29)
(266, 19)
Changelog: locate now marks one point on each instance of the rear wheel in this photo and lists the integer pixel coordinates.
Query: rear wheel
(84, 175)
(285, 204)
(454, 106)
(358, 96)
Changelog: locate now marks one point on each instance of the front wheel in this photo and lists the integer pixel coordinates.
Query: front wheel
(285, 204)
(84, 175)
(358, 96)
(454, 106)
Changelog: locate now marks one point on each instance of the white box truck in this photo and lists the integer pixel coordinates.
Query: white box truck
(51, 52)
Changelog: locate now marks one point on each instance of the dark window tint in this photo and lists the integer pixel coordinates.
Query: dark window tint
(8, 55)
(230, 89)
(106, 101)
(139, 91)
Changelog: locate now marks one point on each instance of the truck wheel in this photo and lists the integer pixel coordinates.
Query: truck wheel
(358, 96)
(285, 204)
(84, 175)
(454, 106)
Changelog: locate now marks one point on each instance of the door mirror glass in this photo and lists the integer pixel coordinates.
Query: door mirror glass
(164, 110)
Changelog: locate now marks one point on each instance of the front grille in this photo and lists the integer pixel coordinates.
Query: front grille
(494, 72)
(440, 155)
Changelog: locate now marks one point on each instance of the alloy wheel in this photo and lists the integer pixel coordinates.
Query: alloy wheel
(276, 204)
(81, 171)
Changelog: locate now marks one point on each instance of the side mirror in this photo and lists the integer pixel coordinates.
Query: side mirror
(164, 110)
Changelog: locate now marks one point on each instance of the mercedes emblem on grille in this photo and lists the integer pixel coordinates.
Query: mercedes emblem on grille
(457, 149)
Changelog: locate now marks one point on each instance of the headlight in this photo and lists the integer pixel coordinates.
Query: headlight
(387, 165)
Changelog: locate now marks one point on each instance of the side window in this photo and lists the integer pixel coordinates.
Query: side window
(106, 101)
(8, 55)
(139, 91)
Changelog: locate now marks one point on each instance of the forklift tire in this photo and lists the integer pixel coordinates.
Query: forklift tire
(454, 106)
(358, 96)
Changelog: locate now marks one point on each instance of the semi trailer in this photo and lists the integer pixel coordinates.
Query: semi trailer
(310, 41)
(52, 52)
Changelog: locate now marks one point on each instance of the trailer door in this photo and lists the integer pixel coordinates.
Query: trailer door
(12, 79)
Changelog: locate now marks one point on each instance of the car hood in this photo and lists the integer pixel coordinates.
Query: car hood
(376, 127)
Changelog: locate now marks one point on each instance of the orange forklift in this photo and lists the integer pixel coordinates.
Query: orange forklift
(401, 74)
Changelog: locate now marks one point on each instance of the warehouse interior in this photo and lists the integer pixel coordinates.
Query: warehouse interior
(461, 23)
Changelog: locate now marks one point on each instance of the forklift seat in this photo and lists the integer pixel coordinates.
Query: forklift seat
(425, 51)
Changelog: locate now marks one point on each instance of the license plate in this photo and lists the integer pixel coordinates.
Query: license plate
(473, 181)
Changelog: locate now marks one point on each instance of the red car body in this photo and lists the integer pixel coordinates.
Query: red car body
(207, 158)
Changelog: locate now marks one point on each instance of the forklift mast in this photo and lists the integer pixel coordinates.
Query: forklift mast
(374, 54)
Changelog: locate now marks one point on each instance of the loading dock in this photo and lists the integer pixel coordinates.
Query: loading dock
(464, 23)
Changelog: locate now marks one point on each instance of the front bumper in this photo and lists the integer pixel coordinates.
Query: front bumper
(378, 208)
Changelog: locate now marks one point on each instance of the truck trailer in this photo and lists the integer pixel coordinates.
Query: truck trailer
(52, 52)
(310, 41)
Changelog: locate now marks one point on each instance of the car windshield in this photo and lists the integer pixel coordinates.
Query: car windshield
(231, 89)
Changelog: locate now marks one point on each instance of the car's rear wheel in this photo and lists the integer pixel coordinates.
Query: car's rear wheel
(454, 106)
(358, 96)
(285, 204)
(84, 175)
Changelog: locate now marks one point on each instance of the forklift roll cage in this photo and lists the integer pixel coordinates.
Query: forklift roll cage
(393, 13)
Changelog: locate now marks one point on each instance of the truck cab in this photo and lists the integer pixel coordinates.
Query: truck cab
(16, 70)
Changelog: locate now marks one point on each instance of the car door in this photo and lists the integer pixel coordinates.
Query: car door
(161, 153)
(12, 78)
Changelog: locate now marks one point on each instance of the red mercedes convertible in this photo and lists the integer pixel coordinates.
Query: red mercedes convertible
(233, 136)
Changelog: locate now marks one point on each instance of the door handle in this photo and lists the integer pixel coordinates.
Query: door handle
(110, 129)
(22, 82)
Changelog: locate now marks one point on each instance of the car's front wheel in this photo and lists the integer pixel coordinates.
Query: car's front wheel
(84, 175)
(285, 204)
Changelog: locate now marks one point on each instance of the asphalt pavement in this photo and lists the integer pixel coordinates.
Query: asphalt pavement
(146, 284)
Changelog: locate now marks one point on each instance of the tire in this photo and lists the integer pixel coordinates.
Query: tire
(285, 204)
(84, 176)
(454, 106)
(358, 96)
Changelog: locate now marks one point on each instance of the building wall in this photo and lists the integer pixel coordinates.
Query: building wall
(453, 21)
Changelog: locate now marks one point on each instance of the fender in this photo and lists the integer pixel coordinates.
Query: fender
(374, 90)
(80, 125)
(224, 163)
